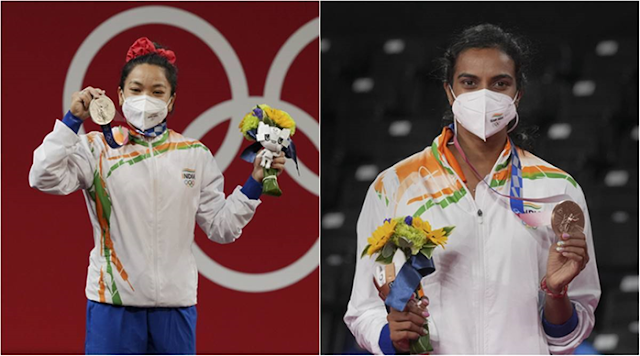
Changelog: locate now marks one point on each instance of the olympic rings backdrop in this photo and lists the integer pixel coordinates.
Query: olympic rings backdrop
(257, 295)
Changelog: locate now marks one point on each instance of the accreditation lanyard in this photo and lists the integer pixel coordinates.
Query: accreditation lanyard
(532, 219)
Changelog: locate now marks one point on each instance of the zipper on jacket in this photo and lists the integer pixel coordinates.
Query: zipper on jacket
(479, 347)
(481, 237)
(479, 216)
(154, 177)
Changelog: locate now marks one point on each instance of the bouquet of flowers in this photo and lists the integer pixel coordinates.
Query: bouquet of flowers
(271, 129)
(415, 240)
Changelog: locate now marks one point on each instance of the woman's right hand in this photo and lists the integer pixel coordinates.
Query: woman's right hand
(80, 101)
(408, 324)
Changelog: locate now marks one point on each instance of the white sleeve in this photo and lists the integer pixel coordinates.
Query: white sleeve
(366, 313)
(584, 292)
(63, 163)
(222, 219)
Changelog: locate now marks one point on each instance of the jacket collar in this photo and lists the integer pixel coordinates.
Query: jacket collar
(139, 139)
(446, 159)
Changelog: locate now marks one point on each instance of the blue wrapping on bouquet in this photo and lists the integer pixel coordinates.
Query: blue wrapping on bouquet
(408, 279)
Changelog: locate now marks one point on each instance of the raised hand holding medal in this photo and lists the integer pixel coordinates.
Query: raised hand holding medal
(81, 100)
(94, 103)
(103, 111)
(569, 255)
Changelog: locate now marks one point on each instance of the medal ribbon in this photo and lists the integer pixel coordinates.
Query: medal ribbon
(155, 131)
(108, 136)
(516, 188)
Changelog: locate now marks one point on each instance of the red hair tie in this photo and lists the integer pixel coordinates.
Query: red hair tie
(144, 46)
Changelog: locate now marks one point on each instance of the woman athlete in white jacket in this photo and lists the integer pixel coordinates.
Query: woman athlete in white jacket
(143, 200)
(500, 286)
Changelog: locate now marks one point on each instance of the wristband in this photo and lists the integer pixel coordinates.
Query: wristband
(543, 286)
(385, 343)
(72, 122)
(252, 188)
(561, 330)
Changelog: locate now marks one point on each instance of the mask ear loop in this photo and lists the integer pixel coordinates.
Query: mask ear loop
(455, 126)
(516, 124)
(517, 116)
(455, 122)
(452, 93)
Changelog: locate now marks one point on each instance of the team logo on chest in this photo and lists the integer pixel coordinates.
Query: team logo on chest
(531, 207)
(189, 177)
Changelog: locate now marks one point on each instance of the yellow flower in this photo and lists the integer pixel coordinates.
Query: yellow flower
(437, 237)
(281, 118)
(380, 237)
(420, 224)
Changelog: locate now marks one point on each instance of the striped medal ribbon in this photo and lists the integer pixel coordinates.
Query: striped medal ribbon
(532, 219)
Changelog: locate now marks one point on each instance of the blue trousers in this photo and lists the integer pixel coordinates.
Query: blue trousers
(115, 329)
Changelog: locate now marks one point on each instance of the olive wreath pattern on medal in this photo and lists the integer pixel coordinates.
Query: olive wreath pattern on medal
(234, 108)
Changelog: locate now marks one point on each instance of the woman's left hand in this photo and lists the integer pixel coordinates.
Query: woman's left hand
(258, 171)
(566, 259)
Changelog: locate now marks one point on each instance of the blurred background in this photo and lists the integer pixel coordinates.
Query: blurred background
(380, 81)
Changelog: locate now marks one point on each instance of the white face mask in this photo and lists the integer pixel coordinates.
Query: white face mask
(484, 112)
(144, 112)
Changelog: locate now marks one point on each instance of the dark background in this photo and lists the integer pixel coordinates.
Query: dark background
(601, 151)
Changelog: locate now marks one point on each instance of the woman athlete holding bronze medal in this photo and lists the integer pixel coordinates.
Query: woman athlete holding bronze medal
(517, 274)
(144, 195)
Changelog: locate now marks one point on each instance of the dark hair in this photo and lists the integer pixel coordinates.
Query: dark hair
(487, 36)
(170, 70)
(491, 36)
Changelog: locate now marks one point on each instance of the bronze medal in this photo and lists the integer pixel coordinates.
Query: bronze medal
(102, 110)
(567, 217)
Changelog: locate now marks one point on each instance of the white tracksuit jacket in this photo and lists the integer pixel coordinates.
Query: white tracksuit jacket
(484, 296)
(143, 201)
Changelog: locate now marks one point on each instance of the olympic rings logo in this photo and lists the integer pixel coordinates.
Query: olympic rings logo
(234, 108)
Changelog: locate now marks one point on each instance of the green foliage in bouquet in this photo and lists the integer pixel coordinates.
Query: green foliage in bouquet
(413, 236)
(249, 126)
